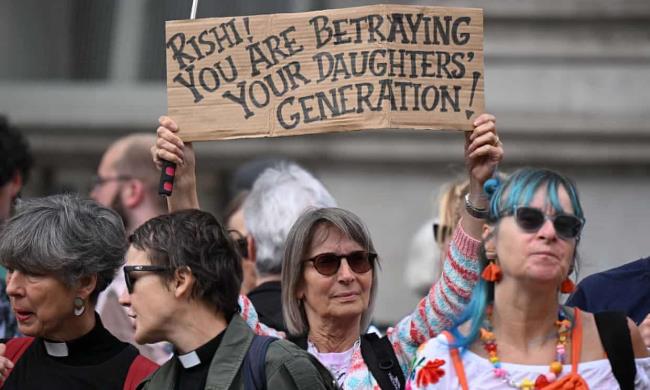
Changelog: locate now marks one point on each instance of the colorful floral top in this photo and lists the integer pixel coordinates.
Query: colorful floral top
(433, 314)
(434, 369)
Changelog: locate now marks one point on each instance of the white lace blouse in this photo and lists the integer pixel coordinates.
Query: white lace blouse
(478, 370)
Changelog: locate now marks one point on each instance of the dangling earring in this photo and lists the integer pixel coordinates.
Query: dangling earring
(79, 306)
(567, 286)
(491, 273)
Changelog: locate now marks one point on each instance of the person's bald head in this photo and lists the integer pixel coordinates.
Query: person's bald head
(127, 177)
(131, 156)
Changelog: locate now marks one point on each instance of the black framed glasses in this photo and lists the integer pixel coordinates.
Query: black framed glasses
(129, 269)
(328, 264)
(98, 181)
(241, 244)
(531, 219)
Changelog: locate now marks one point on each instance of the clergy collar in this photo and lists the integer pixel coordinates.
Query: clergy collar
(56, 349)
(190, 359)
(201, 355)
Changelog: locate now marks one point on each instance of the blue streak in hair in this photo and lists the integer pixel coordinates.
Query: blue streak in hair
(518, 190)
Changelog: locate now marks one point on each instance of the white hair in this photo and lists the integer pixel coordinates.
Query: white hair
(279, 196)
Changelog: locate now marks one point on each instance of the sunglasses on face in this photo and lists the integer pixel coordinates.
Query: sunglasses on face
(441, 233)
(531, 219)
(129, 269)
(328, 264)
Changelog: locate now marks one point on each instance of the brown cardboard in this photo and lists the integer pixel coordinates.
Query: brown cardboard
(337, 67)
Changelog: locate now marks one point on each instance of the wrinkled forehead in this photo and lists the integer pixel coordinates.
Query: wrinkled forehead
(323, 231)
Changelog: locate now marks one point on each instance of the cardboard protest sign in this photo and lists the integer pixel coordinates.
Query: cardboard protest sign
(374, 67)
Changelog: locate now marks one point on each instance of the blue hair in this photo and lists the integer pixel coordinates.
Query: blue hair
(517, 190)
(520, 188)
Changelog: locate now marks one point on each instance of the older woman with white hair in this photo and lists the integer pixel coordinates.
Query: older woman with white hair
(60, 253)
(330, 287)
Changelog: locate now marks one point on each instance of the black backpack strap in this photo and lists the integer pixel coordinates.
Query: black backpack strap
(615, 336)
(379, 356)
(254, 368)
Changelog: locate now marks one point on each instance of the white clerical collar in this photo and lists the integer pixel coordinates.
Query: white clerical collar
(190, 359)
(56, 349)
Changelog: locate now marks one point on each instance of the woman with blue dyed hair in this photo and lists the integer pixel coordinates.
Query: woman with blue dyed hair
(515, 333)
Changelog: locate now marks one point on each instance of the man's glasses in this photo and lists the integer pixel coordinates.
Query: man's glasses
(531, 219)
(129, 269)
(241, 244)
(98, 181)
(328, 264)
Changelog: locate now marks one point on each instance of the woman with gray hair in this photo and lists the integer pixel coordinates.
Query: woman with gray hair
(60, 252)
(329, 280)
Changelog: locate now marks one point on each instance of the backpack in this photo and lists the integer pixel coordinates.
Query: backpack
(617, 342)
(140, 368)
(379, 356)
(254, 368)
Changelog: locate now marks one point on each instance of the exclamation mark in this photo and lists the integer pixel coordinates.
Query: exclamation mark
(248, 30)
(477, 76)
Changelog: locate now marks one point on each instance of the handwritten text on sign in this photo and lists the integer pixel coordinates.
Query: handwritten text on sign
(370, 67)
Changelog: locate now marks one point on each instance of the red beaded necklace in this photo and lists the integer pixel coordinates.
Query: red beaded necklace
(555, 368)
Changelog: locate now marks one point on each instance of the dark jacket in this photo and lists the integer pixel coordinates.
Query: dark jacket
(625, 288)
(287, 366)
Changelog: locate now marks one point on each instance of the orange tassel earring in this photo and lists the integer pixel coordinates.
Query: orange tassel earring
(492, 273)
(567, 286)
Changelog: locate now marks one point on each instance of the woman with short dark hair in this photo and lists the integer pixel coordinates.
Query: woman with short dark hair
(60, 253)
(183, 276)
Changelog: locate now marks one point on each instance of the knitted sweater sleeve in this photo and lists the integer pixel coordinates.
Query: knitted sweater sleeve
(249, 314)
(446, 299)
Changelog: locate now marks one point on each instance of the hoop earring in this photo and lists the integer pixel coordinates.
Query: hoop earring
(79, 306)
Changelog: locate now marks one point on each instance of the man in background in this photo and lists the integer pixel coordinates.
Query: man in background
(625, 288)
(240, 185)
(127, 182)
(234, 218)
(278, 197)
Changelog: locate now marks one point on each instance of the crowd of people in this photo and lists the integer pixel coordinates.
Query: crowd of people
(127, 290)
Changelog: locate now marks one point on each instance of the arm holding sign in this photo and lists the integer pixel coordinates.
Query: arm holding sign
(449, 295)
(171, 148)
(483, 152)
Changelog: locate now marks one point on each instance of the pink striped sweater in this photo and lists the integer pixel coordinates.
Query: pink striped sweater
(433, 314)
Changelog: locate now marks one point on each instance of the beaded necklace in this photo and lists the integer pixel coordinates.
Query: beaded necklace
(555, 368)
